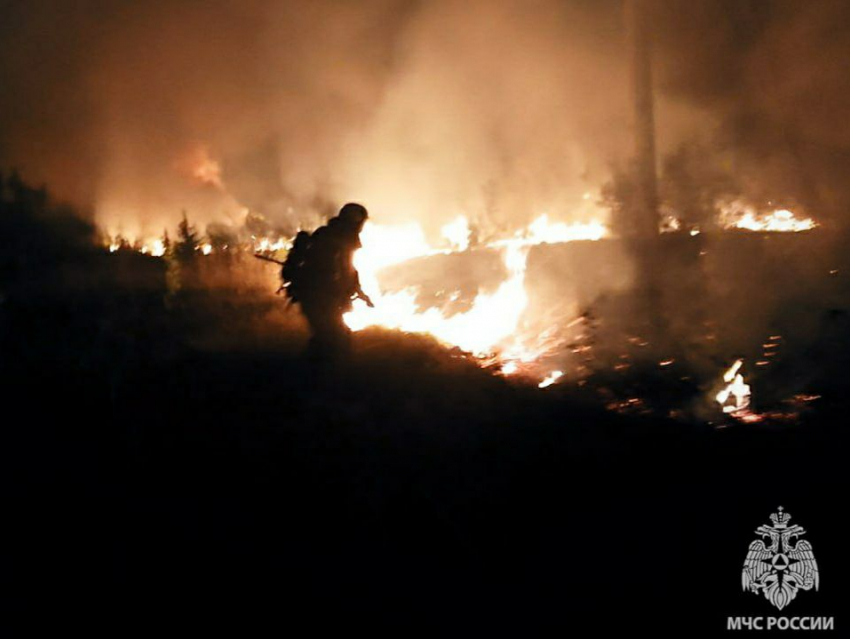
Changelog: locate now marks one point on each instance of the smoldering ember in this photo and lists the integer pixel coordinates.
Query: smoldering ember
(383, 314)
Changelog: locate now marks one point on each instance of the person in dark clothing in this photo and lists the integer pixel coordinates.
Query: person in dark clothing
(290, 272)
(351, 218)
(325, 280)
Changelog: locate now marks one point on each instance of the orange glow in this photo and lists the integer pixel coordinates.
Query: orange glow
(739, 215)
(490, 326)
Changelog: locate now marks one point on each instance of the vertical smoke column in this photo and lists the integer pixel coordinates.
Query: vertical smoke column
(645, 224)
(644, 119)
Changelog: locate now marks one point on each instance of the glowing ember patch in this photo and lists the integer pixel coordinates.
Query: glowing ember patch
(735, 398)
(510, 368)
(806, 398)
(670, 224)
(550, 379)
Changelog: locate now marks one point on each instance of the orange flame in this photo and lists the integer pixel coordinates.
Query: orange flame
(739, 392)
(739, 215)
(491, 324)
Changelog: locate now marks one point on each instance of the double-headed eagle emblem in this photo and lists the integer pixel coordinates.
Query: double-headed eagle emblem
(781, 569)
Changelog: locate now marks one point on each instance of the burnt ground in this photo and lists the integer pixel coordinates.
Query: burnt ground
(403, 489)
(161, 479)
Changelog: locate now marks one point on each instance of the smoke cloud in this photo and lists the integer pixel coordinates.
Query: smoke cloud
(499, 109)
(766, 82)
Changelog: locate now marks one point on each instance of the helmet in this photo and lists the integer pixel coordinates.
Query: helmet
(354, 213)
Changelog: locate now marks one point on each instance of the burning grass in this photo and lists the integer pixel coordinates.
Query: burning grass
(562, 332)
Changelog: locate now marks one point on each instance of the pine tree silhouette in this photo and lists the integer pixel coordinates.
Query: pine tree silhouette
(188, 241)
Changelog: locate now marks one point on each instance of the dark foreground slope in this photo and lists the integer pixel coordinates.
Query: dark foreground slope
(402, 488)
(174, 464)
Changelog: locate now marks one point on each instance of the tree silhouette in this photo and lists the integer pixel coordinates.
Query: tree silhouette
(188, 242)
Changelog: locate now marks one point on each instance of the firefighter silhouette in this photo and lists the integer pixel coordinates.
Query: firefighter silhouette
(320, 276)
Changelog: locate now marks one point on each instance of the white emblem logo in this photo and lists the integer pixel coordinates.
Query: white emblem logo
(780, 569)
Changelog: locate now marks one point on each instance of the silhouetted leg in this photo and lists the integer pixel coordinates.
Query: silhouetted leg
(328, 333)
